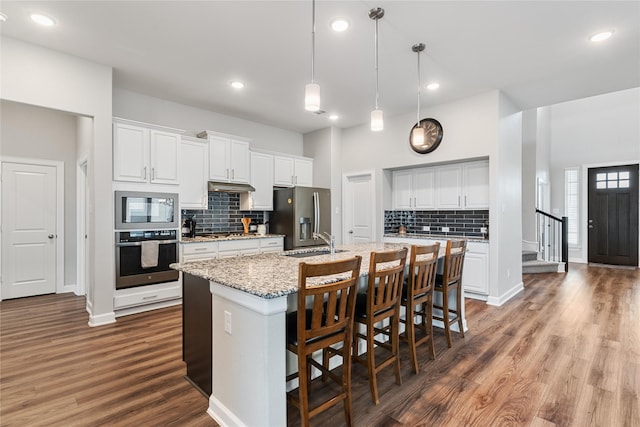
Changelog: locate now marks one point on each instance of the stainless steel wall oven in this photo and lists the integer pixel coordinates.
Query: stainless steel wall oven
(130, 271)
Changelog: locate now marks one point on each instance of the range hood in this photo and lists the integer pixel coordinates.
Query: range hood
(227, 187)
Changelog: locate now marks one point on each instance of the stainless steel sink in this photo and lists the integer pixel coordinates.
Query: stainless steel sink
(313, 253)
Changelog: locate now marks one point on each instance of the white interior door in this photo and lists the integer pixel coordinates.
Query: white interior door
(359, 209)
(28, 230)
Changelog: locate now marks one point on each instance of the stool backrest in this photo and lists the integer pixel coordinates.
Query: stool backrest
(385, 281)
(454, 261)
(422, 269)
(332, 304)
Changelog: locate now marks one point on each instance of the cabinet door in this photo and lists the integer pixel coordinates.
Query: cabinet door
(219, 155)
(303, 172)
(448, 187)
(165, 157)
(130, 153)
(424, 188)
(283, 171)
(403, 189)
(476, 185)
(193, 174)
(239, 162)
(262, 181)
(474, 273)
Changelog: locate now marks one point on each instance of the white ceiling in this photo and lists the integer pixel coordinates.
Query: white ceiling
(536, 52)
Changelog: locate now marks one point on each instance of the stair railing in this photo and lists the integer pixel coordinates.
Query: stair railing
(553, 238)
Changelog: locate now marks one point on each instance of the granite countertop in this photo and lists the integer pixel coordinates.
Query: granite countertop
(210, 238)
(274, 275)
(436, 236)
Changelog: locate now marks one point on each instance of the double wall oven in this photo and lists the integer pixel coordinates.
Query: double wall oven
(146, 238)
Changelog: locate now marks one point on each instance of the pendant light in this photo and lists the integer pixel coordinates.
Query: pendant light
(312, 90)
(417, 133)
(377, 122)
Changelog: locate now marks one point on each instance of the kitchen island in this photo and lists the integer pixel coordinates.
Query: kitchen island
(249, 300)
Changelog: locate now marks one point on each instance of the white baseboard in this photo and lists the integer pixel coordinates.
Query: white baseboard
(221, 414)
(478, 297)
(498, 301)
(101, 319)
(67, 289)
(529, 246)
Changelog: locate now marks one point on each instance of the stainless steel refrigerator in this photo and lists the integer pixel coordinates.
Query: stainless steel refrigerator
(299, 212)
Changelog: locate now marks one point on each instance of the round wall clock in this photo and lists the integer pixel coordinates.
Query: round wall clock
(429, 139)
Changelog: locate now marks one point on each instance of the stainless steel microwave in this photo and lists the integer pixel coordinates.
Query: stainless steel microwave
(138, 210)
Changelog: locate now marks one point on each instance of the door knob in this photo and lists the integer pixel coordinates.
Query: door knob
(50, 236)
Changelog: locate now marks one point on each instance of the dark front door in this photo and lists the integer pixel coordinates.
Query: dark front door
(613, 215)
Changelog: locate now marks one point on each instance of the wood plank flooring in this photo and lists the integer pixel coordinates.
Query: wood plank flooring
(565, 352)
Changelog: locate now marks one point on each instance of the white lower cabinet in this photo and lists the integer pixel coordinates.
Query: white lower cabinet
(198, 251)
(242, 247)
(271, 244)
(475, 274)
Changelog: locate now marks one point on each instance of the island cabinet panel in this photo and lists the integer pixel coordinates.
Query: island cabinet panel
(196, 334)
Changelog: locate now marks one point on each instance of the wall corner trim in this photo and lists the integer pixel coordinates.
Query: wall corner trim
(498, 301)
(102, 319)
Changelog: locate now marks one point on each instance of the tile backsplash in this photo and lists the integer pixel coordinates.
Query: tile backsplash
(223, 215)
(460, 223)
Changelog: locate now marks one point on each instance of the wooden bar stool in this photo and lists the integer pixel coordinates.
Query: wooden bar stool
(417, 299)
(381, 302)
(451, 279)
(328, 322)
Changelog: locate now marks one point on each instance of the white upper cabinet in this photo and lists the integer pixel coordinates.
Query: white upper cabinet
(292, 171)
(194, 173)
(413, 188)
(475, 176)
(262, 181)
(228, 159)
(449, 187)
(143, 154)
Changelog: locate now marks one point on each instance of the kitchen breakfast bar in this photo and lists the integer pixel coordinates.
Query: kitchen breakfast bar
(246, 300)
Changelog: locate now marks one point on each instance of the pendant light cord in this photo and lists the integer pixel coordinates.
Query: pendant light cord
(418, 119)
(376, 61)
(313, 39)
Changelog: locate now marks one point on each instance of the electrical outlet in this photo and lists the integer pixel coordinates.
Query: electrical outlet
(483, 230)
(227, 322)
(426, 228)
(445, 229)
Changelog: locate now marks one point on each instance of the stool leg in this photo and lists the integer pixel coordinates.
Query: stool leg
(445, 316)
(411, 335)
(303, 392)
(428, 319)
(395, 343)
(459, 307)
(346, 384)
(371, 363)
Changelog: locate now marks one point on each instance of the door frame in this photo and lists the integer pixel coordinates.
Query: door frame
(81, 227)
(584, 203)
(345, 182)
(59, 166)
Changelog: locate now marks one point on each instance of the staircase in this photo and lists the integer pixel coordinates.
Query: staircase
(531, 264)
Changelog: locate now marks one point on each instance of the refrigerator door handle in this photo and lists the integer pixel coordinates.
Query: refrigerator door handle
(316, 213)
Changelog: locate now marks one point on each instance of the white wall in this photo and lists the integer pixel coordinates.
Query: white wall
(51, 138)
(143, 108)
(599, 130)
(543, 156)
(529, 125)
(318, 146)
(505, 214)
(37, 76)
(336, 184)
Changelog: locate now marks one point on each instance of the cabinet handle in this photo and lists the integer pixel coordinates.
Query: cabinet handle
(458, 201)
(465, 201)
(153, 173)
(233, 173)
(227, 173)
(200, 249)
(415, 202)
(296, 179)
(150, 297)
(144, 173)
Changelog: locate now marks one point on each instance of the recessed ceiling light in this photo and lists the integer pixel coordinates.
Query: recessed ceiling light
(433, 86)
(601, 36)
(237, 85)
(339, 24)
(44, 20)
(3, 17)
(333, 117)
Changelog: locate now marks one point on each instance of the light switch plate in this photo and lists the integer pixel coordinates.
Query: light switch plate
(483, 230)
(445, 229)
(426, 228)
(227, 322)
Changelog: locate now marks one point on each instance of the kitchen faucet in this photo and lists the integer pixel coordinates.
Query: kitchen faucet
(329, 240)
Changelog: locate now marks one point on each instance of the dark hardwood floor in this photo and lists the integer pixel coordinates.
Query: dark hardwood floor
(565, 352)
